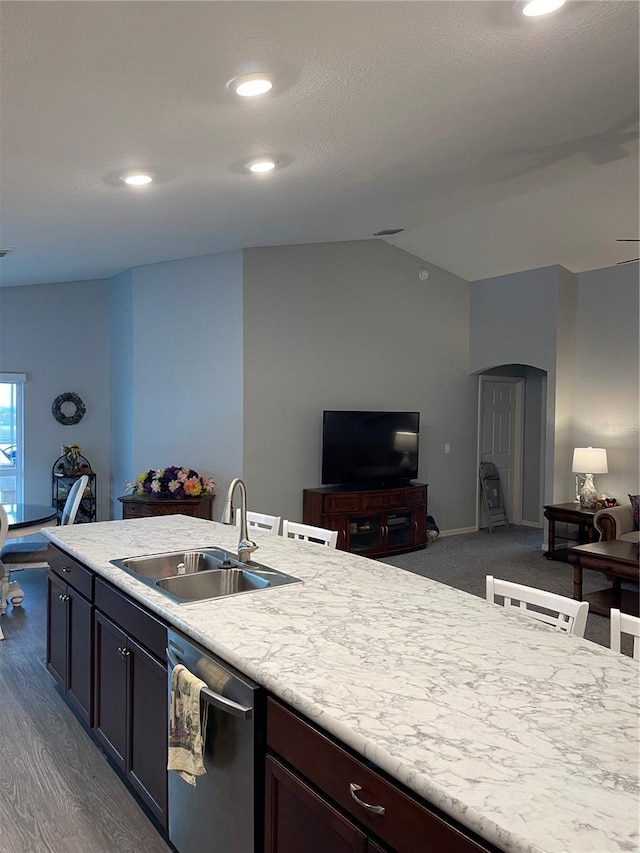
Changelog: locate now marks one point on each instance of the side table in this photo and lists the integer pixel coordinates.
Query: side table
(141, 506)
(575, 515)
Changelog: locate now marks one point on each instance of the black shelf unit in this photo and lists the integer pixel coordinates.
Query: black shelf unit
(62, 479)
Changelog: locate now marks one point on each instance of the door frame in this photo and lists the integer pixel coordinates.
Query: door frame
(514, 513)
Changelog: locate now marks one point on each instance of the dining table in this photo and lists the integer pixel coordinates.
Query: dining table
(24, 519)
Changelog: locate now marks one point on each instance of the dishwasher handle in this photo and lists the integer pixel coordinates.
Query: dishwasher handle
(215, 699)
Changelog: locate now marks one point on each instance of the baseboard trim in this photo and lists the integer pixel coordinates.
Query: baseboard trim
(456, 531)
(531, 524)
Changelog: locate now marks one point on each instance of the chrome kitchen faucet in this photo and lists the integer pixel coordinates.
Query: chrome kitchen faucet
(245, 546)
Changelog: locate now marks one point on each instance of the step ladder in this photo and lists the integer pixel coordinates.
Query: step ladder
(492, 497)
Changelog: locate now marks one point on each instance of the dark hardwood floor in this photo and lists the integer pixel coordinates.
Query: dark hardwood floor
(58, 793)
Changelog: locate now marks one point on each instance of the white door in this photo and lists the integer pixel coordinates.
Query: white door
(500, 438)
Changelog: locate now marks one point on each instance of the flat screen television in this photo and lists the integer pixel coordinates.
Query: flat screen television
(369, 449)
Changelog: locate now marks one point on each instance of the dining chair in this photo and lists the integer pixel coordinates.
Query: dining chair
(259, 521)
(31, 552)
(4, 529)
(319, 535)
(624, 623)
(559, 612)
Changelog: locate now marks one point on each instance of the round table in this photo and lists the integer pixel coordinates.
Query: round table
(25, 519)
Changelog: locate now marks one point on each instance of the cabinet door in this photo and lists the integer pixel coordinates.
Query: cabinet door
(420, 525)
(111, 674)
(366, 534)
(398, 530)
(80, 657)
(299, 819)
(339, 523)
(148, 725)
(56, 629)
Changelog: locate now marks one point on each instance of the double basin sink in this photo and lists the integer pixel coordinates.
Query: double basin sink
(187, 576)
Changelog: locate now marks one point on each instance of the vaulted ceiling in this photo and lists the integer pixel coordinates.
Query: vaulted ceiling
(498, 143)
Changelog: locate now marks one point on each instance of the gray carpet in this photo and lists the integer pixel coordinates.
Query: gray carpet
(513, 554)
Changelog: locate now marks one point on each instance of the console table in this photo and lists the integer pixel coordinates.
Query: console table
(575, 515)
(141, 506)
(617, 560)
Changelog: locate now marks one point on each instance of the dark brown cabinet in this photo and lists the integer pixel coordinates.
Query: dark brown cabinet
(131, 696)
(107, 653)
(70, 642)
(142, 506)
(299, 819)
(111, 689)
(372, 523)
(320, 797)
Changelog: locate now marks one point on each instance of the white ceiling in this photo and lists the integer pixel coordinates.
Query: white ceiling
(499, 143)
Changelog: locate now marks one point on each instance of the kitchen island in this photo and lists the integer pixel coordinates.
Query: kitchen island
(527, 737)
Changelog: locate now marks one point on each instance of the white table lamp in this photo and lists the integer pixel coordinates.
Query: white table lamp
(589, 461)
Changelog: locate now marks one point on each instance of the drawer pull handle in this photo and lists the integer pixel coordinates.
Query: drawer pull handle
(66, 569)
(353, 788)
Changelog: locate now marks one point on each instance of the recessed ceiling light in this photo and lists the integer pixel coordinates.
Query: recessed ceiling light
(261, 166)
(250, 85)
(137, 179)
(534, 8)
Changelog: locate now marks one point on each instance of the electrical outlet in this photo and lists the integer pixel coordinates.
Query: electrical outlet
(447, 447)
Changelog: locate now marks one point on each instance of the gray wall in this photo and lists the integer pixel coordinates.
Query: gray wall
(583, 330)
(515, 320)
(605, 390)
(187, 363)
(58, 335)
(179, 325)
(122, 393)
(351, 326)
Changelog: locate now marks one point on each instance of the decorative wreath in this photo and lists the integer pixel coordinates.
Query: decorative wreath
(78, 414)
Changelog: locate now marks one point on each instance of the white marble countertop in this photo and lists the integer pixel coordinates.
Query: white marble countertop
(528, 737)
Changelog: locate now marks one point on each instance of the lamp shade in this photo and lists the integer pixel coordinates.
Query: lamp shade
(589, 460)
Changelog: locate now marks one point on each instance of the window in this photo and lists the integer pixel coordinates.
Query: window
(11, 441)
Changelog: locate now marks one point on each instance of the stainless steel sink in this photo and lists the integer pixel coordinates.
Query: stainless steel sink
(175, 563)
(211, 584)
(198, 575)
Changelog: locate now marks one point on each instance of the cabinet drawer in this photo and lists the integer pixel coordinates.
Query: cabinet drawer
(71, 571)
(147, 510)
(416, 496)
(383, 500)
(139, 623)
(342, 503)
(406, 825)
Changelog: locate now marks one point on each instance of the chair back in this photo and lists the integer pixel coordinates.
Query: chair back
(72, 503)
(4, 529)
(624, 623)
(567, 615)
(259, 521)
(308, 533)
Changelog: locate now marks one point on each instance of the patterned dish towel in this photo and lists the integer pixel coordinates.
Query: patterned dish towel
(187, 726)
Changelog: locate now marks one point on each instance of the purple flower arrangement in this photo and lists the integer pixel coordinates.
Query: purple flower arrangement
(172, 482)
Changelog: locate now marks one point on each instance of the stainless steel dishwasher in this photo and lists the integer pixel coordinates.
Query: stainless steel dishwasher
(224, 812)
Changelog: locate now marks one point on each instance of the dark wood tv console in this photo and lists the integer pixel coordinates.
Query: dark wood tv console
(375, 522)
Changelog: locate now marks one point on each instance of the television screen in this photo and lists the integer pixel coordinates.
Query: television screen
(369, 448)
